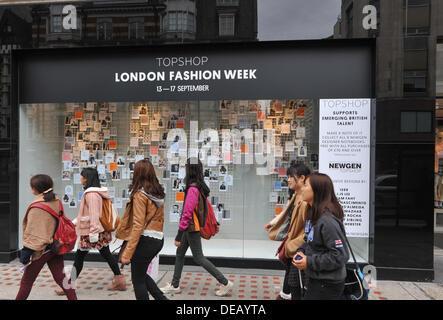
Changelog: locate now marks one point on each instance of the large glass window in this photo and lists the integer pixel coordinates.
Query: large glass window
(232, 137)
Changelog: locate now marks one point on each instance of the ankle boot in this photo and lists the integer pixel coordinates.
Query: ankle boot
(118, 283)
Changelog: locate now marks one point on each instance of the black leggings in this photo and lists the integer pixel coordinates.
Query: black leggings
(80, 258)
(147, 249)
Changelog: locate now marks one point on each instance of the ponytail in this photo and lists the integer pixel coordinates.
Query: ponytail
(44, 185)
(49, 195)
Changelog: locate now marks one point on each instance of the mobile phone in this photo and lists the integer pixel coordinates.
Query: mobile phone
(298, 257)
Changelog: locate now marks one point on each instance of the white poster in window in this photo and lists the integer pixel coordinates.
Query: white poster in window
(101, 169)
(229, 180)
(77, 178)
(273, 197)
(344, 154)
(133, 142)
(118, 203)
(109, 157)
(85, 155)
(301, 132)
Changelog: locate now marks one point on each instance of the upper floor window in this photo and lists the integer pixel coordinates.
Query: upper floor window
(104, 29)
(227, 2)
(417, 15)
(226, 24)
(179, 21)
(56, 18)
(56, 23)
(136, 28)
(414, 81)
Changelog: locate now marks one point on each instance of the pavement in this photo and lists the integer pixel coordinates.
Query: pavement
(197, 284)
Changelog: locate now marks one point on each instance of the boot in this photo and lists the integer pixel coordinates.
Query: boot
(118, 283)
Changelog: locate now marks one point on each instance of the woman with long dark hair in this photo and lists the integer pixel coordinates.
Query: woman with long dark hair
(195, 206)
(38, 234)
(91, 232)
(324, 255)
(142, 229)
(289, 225)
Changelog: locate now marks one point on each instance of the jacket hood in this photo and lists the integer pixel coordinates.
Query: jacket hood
(103, 192)
(158, 202)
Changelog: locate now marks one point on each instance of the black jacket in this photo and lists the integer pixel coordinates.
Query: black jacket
(326, 249)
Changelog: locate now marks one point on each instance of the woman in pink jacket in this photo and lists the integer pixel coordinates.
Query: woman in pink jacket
(196, 194)
(91, 232)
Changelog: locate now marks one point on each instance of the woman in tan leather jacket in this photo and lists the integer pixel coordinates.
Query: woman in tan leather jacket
(142, 229)
(291, 223)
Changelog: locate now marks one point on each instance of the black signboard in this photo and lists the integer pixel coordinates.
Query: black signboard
(265, 70)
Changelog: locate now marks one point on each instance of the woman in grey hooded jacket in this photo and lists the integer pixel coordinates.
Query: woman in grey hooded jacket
(142, 229)
(325, 253)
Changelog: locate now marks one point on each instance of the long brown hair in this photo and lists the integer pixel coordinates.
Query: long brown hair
(324, 198)
(145, 177)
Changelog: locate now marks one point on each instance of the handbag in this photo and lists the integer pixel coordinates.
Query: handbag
(356, 287)
(281, 252)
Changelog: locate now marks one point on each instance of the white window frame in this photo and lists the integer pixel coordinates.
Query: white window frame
(224, 30)
(231, 3)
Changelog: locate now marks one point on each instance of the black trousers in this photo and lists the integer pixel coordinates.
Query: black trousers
(146, 250)
(294, 282)
(104, 252)
(324, 290)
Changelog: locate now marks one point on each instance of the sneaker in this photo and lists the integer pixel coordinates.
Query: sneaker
(169, 288)
(224, 290)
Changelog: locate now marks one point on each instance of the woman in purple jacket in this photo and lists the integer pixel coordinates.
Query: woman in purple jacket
(189, 230)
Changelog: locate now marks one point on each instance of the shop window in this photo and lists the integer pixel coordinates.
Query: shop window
(416, 122)
(111, 137)
(226, 24)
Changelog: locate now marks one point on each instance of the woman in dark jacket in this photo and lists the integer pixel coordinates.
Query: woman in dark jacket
(196, 194)
(324, 255)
